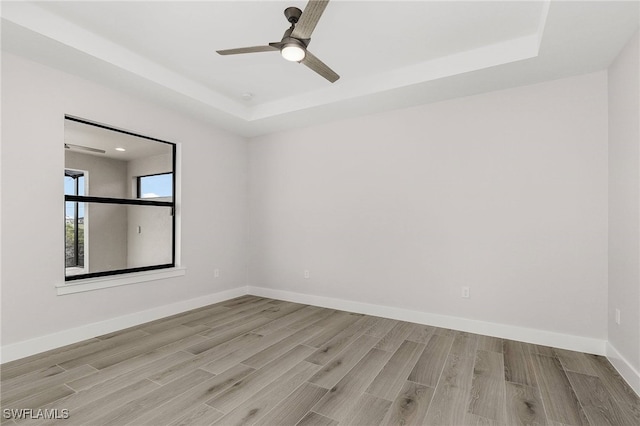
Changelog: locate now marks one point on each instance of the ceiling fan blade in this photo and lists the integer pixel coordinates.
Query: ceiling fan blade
(252, 49)
(320, 67)
(309, 19)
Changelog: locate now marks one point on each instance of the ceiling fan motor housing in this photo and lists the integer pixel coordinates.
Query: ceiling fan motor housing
(292, 14)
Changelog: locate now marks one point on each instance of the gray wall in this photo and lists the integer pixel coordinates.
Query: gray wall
(624, 204)
(35, 99)
(152, 246)
(504, 192)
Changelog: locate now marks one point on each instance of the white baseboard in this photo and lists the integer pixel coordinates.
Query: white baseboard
(66, 337)
(523, 334)
(541, 337)
(626, 370)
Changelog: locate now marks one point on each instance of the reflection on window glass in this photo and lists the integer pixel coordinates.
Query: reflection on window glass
(119, 201)
(155, 186)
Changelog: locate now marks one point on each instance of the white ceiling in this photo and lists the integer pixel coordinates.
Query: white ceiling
(389, 54)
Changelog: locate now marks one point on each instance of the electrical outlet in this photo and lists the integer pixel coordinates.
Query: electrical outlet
(618, 316)
(306, 274)
(216, 273)
(465, 292)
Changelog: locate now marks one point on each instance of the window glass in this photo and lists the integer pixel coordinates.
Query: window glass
(155, 186)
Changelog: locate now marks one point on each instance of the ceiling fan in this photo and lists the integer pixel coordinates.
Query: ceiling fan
(293, 45)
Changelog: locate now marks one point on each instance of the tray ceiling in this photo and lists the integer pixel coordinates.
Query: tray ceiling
(389, 54)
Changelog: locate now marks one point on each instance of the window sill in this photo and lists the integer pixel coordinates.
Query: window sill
(91, 284)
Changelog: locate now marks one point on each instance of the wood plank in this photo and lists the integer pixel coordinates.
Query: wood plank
(120, 352)
(201, 415)
(471, 419)
(28, 388)
(241, 300)
(381, 327)
(331, 327)
(446, 332)
(542, 350)
(597, 402)
(258, 405)
(223, 326)
(288, 320)
(336, 368)
(222, 317)
(40, 360)
(277, 348)
(489, 343)
(518, 363)
(37, 374)
(367, 410)
(123, 374)
(227, 335)
(39, 399)
(281, 310)
(83, 409)
(337, 402)
(67, 353)
(560, 402)
(488, 387)
(251, 309)
(451, 397)
(196, 397)
(292, 409)
(464, 344)
(394, 338)
(341, 340)
(410, 406)
(430, 364)
(154, 342)
(617, 387)
(315, 419)
(149, 402)
(172, 372)
(524, 405)
(227, 361)
(116, 385)
(318, 317)
(421, 333)
(575, 361)
(189, 319)
(253, 383)
(393, 375)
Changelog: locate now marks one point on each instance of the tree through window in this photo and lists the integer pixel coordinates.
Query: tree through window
(74, 183)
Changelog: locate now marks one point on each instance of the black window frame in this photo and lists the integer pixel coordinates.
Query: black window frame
(132, 202)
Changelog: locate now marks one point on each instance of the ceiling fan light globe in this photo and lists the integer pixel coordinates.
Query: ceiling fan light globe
(292, 52)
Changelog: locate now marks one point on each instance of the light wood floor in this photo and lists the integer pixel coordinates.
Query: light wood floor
(253, 360)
